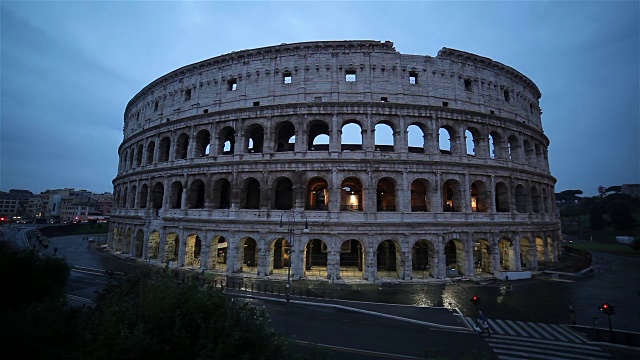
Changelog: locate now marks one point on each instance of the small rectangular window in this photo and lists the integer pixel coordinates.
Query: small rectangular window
(506, 95)
(413, 77)
(205, 111)
(467, 85)
(384, 99)
(445, 103)
(256, 103)
(286, 77)
(531, 108)
(155, 106)
(232, 85)
(317, 99)
(492, 112)
(351, 76)
(187, 95)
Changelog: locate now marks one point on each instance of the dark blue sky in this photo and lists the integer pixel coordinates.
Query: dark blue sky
(68, 70)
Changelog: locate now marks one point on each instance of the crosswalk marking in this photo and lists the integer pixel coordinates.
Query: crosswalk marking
(518, 348)
(530, 330)
(516, 327)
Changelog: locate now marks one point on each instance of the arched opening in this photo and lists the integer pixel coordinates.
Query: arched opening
(351, 198)
(172, 247)
(128, 240)
(318, 136)
(125, 193)
(386, 195)
(153, 249)
(250, 197)
(495, 145)
(351, 138)
(423, 260)
(248, 255)
(139, 244)
(451, 196)
(538, 155)
(479, 197)
(388, 259)
(218, 254)
(521, 199)
(315, 259)
(502, 197)
(351, 259)
(182, 146)
(527, 254)
(513, 147)
(529, 155)
(416, 135)
(540, 250)
(203, 139)
(176, 195)
(222, 194)
(447, 139)
(150, 150)
(165, 148)
(384, 139)
(280, 256)
(157, 195)
(419, 195)
(469, 142)
(317, 194)
(284, 194)
(545, 200)
(139, 154)
(506, 259)
(227, 141)
(535, 200)
(195, 195)
(285, 133)
(143, 195)
(132, 196)
(482, 260)
(255, 138)
(550, 245)
(131, 159)
(193, 251)
(454, 258)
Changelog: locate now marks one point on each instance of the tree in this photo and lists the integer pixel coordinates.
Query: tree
(621, 214)
(602, 191)
(596, 217)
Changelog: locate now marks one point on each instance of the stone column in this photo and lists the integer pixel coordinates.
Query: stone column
(172, 148)
(333, 264)
(466, 194)
(183, 200)
(182, 248)
(335, 138)
(436, 199)
(156, 149)
(403, 199)
(369, 269)
(516, 253)
(442, 260)
(469, 261)
(232, 255)
(263, 256)
(492, 194)
(162, 250)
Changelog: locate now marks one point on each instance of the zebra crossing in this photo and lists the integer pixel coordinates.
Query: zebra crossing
(518, 340)
(531, 330)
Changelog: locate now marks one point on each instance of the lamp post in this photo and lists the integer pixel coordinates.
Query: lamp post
(290, 228)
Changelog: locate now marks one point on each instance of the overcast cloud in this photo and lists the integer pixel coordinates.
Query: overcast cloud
(68, 70)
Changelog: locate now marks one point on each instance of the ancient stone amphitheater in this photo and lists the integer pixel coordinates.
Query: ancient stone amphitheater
(337, 160)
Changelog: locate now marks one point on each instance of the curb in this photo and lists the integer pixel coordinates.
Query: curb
(342, 307)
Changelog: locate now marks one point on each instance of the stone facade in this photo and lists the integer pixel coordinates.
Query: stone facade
(224, 161)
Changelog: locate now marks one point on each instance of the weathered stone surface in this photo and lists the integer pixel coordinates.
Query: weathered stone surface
(212, 161)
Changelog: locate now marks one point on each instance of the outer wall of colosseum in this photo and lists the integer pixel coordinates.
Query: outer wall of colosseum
(337, 160)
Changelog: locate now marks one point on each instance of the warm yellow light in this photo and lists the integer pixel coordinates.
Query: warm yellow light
(353, 200)
(474, 204)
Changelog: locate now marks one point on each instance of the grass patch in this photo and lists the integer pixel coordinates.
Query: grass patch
(611, 248)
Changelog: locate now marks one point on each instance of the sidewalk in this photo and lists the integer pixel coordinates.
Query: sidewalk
(438, 317)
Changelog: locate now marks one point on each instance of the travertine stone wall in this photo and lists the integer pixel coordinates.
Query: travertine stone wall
(225, 149)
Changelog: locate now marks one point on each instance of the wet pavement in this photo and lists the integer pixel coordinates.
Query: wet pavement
(544, 298)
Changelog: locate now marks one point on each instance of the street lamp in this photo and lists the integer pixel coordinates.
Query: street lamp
(290, 228)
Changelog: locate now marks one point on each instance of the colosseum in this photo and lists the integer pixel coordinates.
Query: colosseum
(337, 160)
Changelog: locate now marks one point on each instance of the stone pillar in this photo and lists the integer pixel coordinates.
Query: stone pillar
(436, 199)
(333, 264)
(233, 265)
(162, 250)
(156, 149)
(516, 253)
(492, 194)
(183, 200)
(264, 254)
(466, 194)
(172, 148)
(442, 261)
(335, 135)
(369, 269)
(182, 248)
(403, 199)
(495, 254)
(166, 198)
(469, 264)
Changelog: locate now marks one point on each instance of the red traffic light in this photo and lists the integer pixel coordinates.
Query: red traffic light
(605, 306)
(475, 299)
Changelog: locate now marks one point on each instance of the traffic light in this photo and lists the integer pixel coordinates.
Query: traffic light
(608, 309)
(475, 300)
